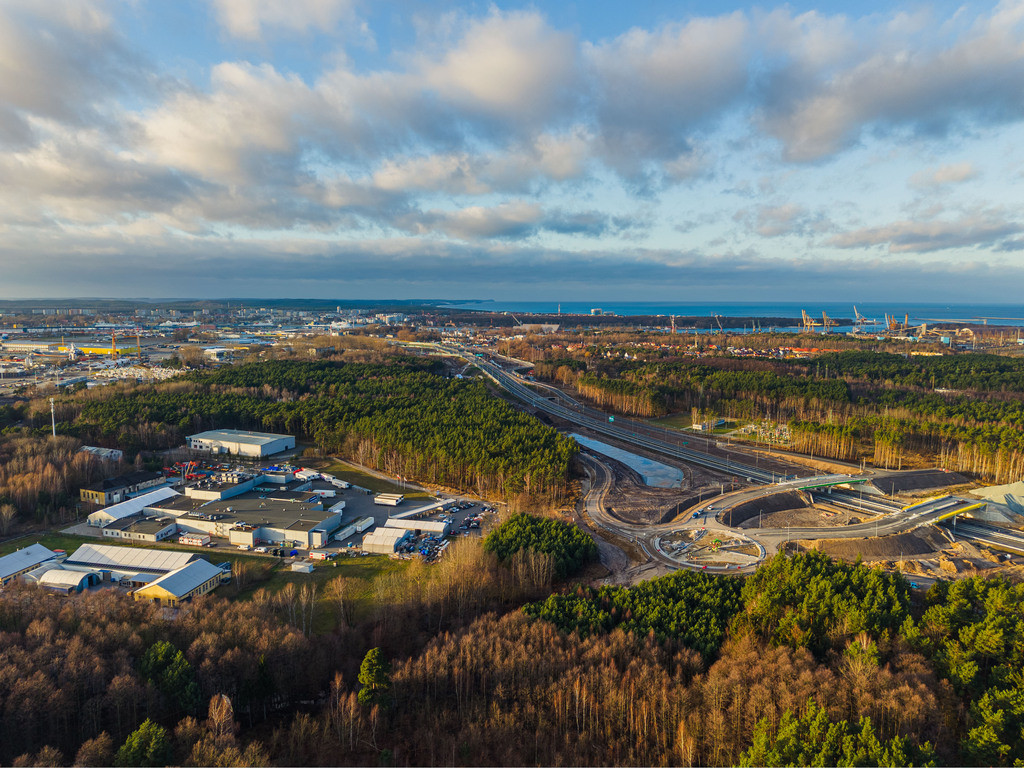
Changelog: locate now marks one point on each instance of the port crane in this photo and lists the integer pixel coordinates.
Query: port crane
(809, 322)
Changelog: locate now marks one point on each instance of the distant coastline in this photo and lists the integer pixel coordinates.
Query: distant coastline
(995, 314)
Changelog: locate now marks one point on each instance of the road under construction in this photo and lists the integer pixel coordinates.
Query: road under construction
(716, 525)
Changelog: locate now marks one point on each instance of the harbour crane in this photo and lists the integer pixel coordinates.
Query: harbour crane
(809, 322)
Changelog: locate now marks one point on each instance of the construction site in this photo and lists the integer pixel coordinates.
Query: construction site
(965, 334)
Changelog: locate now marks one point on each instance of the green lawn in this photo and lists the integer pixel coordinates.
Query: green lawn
(349, 473)
(684, 421)
(673, 421)
(48, 540)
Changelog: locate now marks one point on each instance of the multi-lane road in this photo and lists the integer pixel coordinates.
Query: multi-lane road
(890, 518)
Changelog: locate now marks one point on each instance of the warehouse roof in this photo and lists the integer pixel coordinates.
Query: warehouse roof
(385, 536)
(130, 558)
(182, 581)
(251, 509)
(144, 525)
(30, 556)
(238, 436)
(434, 526)
(57, 577)
(136, 505)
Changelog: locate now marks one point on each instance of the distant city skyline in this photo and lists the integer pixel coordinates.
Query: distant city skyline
(553, 151)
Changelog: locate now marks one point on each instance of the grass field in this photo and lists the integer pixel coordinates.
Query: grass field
(48, 540)
(673, 421)
(683, 421)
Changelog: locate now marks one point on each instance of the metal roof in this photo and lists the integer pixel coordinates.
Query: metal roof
(182, 581)
(237, 436)
(438, 526)
(385, 535)
(30, 556)
(136, 505)
(130, 558)
(58, 577)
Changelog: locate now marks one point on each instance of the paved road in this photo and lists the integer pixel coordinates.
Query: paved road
(891, 519)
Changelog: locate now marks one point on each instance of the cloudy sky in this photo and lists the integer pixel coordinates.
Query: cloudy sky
(578, 149)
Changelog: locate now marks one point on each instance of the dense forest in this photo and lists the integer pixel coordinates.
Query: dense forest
(401, 416)
(965, 412)
(809, 662)
(568, 547)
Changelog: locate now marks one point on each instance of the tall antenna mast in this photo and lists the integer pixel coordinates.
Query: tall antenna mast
(53, 417)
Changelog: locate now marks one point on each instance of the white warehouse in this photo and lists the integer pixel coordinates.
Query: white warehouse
(234, 441)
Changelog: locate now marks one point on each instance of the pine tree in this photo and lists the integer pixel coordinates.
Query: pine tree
(375, 677)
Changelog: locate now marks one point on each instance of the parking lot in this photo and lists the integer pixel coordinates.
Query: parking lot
(467, 517)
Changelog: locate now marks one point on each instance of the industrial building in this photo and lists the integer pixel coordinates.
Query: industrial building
(24, 560)
(385, 541)
(239, 507)
(137, 529)
(277, 517)
(66, 582)
(127, 563)
(197, 578)
(107, 454)
(434, 527)
(233, 441)
(134, 506)
(116, 489)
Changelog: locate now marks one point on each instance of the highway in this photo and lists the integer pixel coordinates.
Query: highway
(654, 439)
(986, 534)
(890, 517)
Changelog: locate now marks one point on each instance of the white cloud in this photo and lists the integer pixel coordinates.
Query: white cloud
(513, 219)
(951, 173)
(250, 19)
(511, 66)
(913, 84)
(654, 87)
(232, 134)
(59, 60)
(984, 229)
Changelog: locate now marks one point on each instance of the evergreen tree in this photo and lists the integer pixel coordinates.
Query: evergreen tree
(148, 745)
(375, 677)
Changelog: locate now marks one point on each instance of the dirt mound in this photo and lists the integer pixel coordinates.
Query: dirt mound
(778, 502)
(913, 544)
(917, 480)
(806, 517)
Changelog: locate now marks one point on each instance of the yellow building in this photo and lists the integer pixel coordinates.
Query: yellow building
(172, 589)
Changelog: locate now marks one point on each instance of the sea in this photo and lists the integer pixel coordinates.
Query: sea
(992, 314)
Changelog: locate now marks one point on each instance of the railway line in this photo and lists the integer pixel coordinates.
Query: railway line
(632, 433)
(892, 518)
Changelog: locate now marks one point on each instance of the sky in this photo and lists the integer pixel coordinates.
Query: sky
(571, 150)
